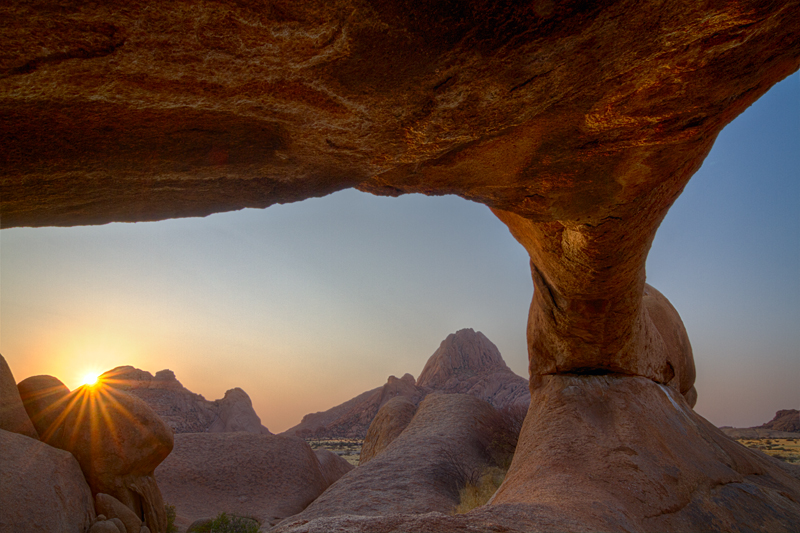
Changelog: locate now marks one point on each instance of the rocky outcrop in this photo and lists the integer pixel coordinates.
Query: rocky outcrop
(332, 465)
(183, 410)
(267, 477)
(784, 425)
(578, 123)
(41, 488)
(627, 454)
(469, 363)
(421, 471)
(388, 424)
(466, 362)
(12, 412)
(785, 420)
(352, 418)
(116, 438)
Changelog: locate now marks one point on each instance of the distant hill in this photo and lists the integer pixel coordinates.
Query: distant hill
(183, 410)
(785, 424)
(465, 362)
(784, 420)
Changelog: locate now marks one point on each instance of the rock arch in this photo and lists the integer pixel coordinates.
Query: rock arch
(577, 123)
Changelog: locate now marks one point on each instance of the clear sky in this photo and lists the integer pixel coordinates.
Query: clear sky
(307, 305)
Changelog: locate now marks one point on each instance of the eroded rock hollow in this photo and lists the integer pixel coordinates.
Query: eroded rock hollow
(578, 123)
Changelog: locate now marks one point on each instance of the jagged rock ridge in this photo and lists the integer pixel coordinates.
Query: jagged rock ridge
(465, 362)
(183, 410)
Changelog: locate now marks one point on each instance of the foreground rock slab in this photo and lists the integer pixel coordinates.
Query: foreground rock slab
(628, 454)
(266, 477)
(420, 471)
(41, 488)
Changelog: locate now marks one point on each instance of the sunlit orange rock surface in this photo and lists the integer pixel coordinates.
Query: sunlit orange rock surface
(117, 439)
(579, 123)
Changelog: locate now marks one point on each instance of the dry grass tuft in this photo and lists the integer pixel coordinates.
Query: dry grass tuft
(477, 494)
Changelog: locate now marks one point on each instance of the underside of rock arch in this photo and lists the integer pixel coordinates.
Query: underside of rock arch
(578, 123)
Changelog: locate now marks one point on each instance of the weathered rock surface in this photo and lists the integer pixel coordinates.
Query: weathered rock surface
(266, 477)
(554, 111)
(41, 488)
(13, 416)
(183, 410)
(118, 442)
(45, 399)
(331, 465)
(421, 471)
(579, 123)
(391, 420)
(628, 454)
(465, 362)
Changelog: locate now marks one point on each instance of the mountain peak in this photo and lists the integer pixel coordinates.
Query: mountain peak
(462, 354)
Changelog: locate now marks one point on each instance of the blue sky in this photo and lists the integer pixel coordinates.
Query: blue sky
(306, 305)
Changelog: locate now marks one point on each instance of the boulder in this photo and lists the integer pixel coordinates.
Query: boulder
(44, 398)
(105, 526)
(421, 471)
(387, 425)
(41, 488)
(332, 466)
(267, 477)
(118, 442)
(114, 509)
(12, 413)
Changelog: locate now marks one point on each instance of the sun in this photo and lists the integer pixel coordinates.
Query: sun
(90, 379)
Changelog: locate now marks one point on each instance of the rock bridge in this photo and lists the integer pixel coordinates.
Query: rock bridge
(578, 123)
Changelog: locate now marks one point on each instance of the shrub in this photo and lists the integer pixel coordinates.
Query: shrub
(225, 523)
(170, 510)
(476, 494)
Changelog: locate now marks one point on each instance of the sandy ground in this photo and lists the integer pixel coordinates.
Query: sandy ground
(784, 449)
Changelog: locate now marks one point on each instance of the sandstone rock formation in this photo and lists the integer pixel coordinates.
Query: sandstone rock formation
(579, 123)
(116, 438)
(389, 422)
(183, 410)
(41, 488)
(266, 477)
(420, 471)
(466, 362)
(13, 416)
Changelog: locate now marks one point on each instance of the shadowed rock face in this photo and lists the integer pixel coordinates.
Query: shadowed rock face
(579, 123)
